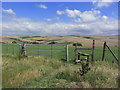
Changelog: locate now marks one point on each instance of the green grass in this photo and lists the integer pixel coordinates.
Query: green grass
(57, 51)
(19, 41)
(38, 72)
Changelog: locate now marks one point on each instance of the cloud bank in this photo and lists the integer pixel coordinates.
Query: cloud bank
(27, 27)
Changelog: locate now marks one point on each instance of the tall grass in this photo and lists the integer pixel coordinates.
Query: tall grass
(38, 72)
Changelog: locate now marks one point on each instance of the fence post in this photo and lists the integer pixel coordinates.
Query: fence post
(13, 49)
(51, 50)
(104, 47)
(7, 49)
(93, 47)
(75, 51)
(38, 49)
(23, 50)
(66, 52)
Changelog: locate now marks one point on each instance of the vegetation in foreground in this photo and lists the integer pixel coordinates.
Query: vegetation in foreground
(38, 72)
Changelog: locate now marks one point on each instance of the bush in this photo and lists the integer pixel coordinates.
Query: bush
(14, 42)
(78, 44)
(52, 42)
(35, 43)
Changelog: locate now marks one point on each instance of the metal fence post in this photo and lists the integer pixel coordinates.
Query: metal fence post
(66, 52)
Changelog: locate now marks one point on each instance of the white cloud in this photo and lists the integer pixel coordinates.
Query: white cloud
(86, 16)
(9, 11)
(49, 19)
(102, 3)
(72, 13)
(42, 6)
(22, 26)
(104, 17)
(89, 16)
(60, 12)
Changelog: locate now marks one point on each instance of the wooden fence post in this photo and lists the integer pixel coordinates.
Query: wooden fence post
(104, 47)
(75, 51)
(66, 52)
(23, 50)
(7, 49)
(51, 50)
(38, 48)
(93, 47)
(13, 49)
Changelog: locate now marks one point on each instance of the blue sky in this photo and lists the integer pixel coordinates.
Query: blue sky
(59, 18)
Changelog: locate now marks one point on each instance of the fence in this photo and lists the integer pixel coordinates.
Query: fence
(10, 49)
(57, 51)
(107, 51)
(47, 50)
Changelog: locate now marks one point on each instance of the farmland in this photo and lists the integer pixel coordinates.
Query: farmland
(47, 68)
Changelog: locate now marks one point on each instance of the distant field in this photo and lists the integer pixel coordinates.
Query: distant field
(84, 40)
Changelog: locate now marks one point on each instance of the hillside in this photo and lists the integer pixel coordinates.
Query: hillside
(84, 40)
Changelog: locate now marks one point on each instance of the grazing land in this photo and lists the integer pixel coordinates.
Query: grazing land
(84, 40)
(41, 71)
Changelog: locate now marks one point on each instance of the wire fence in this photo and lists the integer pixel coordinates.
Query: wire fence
(57, 51)
(10, 49)
(110, 53)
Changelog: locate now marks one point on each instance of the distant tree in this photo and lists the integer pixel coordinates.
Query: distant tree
(14, 42)
(78, 44)
(52, 42)
(35, 42)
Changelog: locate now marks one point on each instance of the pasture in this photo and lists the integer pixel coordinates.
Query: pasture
(46, 67)
(58, 51)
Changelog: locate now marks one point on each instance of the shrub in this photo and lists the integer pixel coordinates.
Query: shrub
(14, 42)
(78, 44)
(52, 42)
(35, 42)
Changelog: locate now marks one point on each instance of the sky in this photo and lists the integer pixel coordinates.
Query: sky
(59, 18)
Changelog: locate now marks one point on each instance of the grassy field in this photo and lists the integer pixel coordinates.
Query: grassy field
(48, 69)
(57, 51)
(38, 72)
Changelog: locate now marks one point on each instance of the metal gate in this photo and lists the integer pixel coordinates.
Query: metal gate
(57, 51)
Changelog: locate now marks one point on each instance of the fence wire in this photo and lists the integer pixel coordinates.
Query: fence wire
(10, 49)
(108, 54)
